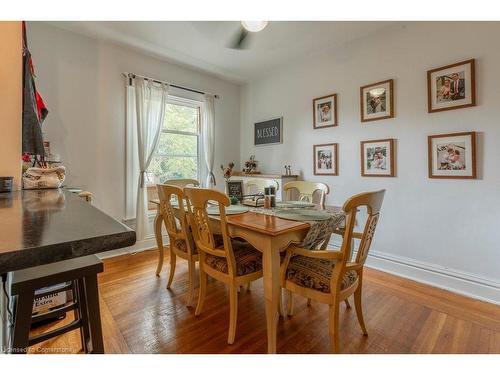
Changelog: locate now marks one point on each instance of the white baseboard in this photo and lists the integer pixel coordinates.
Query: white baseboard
(456, 281)
(146, 244)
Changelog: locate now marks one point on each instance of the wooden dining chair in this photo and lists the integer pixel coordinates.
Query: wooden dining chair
(182, 182)
(179, 233)
(308, 190)
(153, 194)
(234, 263)
(259, 184)
(330, 276)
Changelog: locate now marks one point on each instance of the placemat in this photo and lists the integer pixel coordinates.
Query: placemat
(230, 210)
(294, 204)
(302, 214)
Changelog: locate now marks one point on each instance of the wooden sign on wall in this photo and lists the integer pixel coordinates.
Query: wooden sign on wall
(268, 132)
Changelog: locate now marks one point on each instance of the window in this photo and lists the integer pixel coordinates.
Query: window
(177, 154)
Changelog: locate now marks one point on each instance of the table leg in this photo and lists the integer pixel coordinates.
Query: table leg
(159, 242)
(271, 271)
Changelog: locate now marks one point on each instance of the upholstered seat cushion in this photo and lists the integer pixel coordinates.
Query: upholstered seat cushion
(248, 259)
(181, 244)
(314, 273)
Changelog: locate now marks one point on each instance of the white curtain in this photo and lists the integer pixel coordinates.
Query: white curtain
(150, 106)
(208, 137)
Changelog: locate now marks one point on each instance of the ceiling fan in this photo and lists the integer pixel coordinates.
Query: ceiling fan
(242, 38)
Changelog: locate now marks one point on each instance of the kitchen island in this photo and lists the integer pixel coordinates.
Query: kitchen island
(39, 227)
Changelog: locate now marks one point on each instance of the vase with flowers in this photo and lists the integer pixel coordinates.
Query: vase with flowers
(26, 158)
(250, 165)
(227, 172)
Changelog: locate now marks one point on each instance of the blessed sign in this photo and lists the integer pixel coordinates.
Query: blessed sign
(268, 132)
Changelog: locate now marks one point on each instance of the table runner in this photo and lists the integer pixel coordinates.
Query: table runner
(320, 230)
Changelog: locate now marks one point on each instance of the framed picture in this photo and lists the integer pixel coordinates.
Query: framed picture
(326, 159)
(377, 101)
(452, 155)
(451, 87)
(268, 132)
(377, 158)
(325, 111)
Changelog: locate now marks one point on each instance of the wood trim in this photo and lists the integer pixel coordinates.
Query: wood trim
(392, 154)
(391, 100)
(473, 147)
(260, 175)
(335, 123)
(473, 86)
(336, 147)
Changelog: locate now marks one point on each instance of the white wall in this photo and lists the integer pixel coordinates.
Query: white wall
(81, 81)
(440, 231)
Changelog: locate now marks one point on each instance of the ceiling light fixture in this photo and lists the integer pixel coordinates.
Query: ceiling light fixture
(254, 26)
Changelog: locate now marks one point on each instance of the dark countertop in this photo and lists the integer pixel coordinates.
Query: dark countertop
(44, 226)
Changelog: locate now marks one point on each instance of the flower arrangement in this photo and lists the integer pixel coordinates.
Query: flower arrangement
(250, 165)
(26, 158)
(227, 171)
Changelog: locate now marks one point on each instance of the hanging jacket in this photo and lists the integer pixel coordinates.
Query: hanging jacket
(34, 110)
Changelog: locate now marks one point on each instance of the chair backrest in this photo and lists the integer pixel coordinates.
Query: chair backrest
(176, 229)
(183, 182)
(259, 184)
(372, 201)
(197, 199)
(306, 190)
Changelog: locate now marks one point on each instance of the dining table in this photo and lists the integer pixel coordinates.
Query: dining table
(268, 233)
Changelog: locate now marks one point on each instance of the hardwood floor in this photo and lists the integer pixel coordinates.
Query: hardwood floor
(140, 315)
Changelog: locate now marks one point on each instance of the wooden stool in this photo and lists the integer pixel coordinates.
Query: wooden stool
(82, 275)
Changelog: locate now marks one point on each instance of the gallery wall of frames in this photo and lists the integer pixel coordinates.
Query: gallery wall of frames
(414, 110)
(452, 155)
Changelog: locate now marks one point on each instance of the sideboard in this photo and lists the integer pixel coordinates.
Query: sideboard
(281, 179)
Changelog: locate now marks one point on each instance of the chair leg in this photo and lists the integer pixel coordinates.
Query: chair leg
(22, 323)
(359, 309)
(308, 302)
(192, 276)
(280, 304)
(82, 311)
(202, 292)
(92, 294)
(173, 262)
(333, 326)
(233, 312)
(290, 303)
(347, 304)
(249, 284)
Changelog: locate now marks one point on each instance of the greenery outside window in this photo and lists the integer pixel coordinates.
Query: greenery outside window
(178, 152)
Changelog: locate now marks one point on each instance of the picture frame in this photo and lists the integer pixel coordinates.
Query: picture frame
(378, 158)
(452, 86)
(325, 159)
(376, 101)
(325, 112)
(452, 155)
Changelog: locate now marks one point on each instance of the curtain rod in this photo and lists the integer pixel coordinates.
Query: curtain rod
(133, 75)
